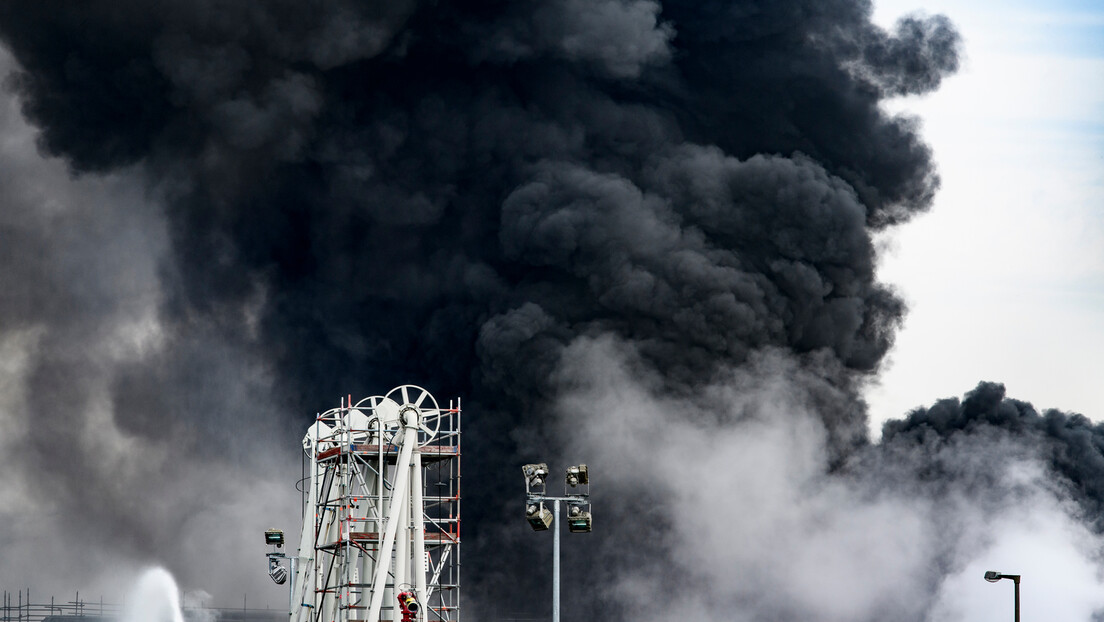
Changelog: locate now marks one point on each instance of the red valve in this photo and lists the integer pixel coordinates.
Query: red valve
(408, 603)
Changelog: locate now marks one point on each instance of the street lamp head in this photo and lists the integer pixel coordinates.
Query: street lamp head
(993, 576)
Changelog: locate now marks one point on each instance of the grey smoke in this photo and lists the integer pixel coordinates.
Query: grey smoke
(617, 37)
(101, 481)
(278, 204)
(756, 529)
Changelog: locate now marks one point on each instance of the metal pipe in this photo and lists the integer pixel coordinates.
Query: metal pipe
(291, 588)
(993, 576)
(556, 561)
(418, 520)
(394, 510)
(402, 543)
(1016, 583)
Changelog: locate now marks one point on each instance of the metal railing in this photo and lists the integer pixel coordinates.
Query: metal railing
(18, 607)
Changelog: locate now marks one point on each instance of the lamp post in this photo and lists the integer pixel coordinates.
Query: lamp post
(278, 573)
(540, 519)
(993, 576)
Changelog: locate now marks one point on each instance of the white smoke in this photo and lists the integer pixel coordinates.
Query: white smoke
(757, 528)
(198, 605)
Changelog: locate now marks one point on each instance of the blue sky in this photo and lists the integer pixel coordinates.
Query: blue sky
(1005, 276)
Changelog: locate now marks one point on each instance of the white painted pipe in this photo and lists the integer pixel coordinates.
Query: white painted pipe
(394, 511)
(418, 524)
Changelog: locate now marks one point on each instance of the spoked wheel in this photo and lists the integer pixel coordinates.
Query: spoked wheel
(429, 414)
(387, 411)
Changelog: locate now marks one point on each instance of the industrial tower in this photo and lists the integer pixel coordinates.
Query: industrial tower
(381, 512)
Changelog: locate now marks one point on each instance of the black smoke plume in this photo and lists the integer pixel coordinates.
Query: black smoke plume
(1070, 444)
(345, 196)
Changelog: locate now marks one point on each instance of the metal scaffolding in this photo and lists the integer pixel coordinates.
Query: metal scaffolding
(381, 511)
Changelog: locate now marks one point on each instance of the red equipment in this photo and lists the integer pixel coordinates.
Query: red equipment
(409, 606)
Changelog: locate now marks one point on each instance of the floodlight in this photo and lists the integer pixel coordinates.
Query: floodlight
(577, 475)
(538, 516)
(578, 518)
(278, 573)
(578, 522)
(535, 474)
(274, 537)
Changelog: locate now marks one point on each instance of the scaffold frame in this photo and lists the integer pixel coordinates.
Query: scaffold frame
(381, 508)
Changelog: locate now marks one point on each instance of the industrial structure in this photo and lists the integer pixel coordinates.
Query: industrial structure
(381, 513)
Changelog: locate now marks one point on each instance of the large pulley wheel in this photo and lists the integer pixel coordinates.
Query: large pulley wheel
(408, 397)
(386, 412)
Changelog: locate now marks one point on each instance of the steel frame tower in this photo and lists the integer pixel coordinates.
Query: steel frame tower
(381, 511)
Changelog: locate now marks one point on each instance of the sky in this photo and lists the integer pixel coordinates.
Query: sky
(1004, 277)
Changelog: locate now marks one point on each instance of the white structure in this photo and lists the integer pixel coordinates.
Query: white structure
(381, 511)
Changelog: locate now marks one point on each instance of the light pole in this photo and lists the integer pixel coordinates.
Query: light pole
(540, 519)
(993, 576)
(279, 574)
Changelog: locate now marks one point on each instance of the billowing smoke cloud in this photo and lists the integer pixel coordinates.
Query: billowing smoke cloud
(754, 528)
(1069, 444)
(102, 473)
(280, 203)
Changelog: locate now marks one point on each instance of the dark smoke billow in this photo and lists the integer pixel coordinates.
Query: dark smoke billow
(1069, 444)
(484, 198)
